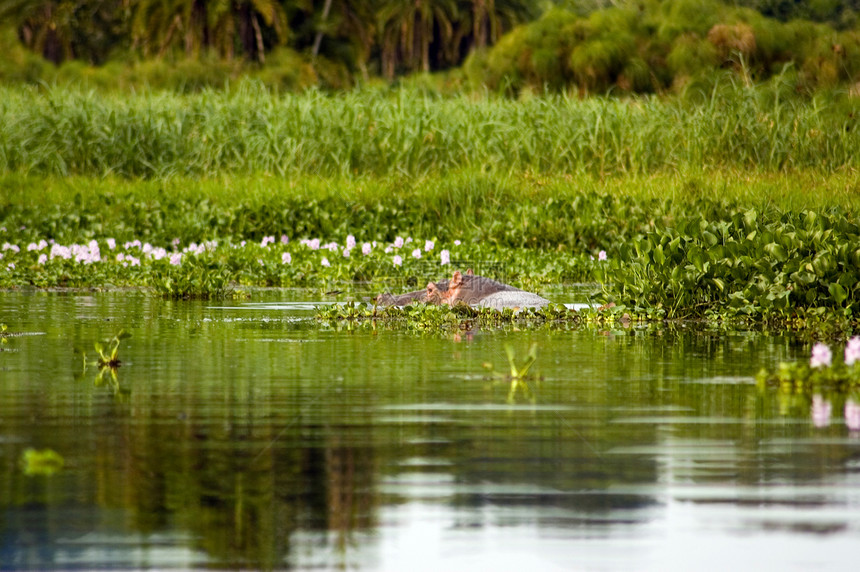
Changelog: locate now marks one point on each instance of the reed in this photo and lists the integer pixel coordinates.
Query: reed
(380, 132)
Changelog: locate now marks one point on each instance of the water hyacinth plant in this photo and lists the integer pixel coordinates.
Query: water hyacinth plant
(820, 372)
(213, 268)
(765, 265)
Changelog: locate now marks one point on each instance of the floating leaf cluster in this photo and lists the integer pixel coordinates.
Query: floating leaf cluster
(430, 317)
(764, 264)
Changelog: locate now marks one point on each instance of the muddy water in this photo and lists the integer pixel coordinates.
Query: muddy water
(245, 435)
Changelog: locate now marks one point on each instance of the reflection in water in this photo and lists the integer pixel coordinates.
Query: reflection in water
(249, 437)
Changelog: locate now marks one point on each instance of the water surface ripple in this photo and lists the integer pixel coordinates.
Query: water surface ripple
(245, 435)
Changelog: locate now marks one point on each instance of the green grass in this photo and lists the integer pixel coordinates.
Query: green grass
(384, 133)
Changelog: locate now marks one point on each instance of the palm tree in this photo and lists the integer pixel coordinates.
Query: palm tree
(490, 19)
(409, 27)
(350, 24)
(65, 29)
(159, 25)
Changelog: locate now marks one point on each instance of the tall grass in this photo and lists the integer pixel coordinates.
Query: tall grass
(248, 129)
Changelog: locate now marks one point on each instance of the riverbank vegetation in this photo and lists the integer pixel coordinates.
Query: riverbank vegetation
(783, 248)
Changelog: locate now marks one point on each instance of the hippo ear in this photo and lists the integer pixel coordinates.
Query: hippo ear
(456, 280)
(470, 272)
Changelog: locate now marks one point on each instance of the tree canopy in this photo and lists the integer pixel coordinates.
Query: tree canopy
(589, 45)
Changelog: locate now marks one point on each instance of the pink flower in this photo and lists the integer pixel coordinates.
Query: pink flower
(821, 410)
(346, 253)
(457, 243)
(286, 258)
(397, 260)
(852, 415)
(365, 248)
(852, 350)
(416, 253)
(285, 239)
(43, 258)
(267, 240)
(428, 245)
(176, 258)
(821, 356)
(111, 243)
(446, 257)
(350, 242)
(158, 253)
(398, 242)
(325, 262)
(601, 255)
(58, 250)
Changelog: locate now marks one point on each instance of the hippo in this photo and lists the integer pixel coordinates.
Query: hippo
(388, 299)
(468, 289)
(481, 292)
(478, 291)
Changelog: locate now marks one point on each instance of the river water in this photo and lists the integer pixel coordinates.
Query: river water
(243, 434)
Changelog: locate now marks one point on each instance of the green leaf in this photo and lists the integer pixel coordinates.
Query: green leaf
(659, 256)
(838, 293)
(777, 251)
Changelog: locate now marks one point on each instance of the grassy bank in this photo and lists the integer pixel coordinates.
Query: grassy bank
(249, 129)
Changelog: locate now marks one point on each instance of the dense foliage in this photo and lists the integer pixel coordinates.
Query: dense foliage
(652, 46)
(508, 45)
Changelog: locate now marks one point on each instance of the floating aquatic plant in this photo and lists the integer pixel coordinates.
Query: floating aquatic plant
(519, 374)
(790, 267)
(41, 462)
(109, 350)
(428, 316)
(108, 363)
(819, 372)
